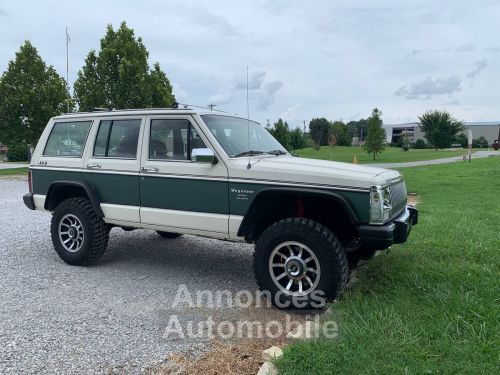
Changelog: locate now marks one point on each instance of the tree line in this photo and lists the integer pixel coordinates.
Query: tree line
(117, 76)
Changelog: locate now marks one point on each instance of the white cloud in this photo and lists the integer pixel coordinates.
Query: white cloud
(478, 67)
(429, 87)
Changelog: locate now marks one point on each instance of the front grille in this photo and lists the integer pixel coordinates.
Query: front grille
(398, 197)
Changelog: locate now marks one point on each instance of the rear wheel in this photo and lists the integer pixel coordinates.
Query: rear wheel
(78, 234)
(301, 263)
(168, 234)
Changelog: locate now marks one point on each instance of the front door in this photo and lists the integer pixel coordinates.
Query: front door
(176, 193)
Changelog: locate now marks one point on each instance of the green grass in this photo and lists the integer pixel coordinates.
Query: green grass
(431, 305)
(390, 155)
(13, 171)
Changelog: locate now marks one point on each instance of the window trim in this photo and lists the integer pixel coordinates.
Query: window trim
(188, 145)
(112, 120)
(68, 156)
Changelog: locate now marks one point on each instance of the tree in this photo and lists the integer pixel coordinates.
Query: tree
(440, 128)
(318, 130)
(297, 140)
(30, 94)
(281, 132)
(358, 128)
(339, 130)
(118, 76)
(376, 134)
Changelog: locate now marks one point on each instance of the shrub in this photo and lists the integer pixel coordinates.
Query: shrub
(479, 142)
(462, 139)
(18, 152)
(420, 144)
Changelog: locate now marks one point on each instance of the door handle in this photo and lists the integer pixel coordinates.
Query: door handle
(149, 169)
(92, 166)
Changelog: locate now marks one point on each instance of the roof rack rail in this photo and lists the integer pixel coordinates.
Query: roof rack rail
(210, 107)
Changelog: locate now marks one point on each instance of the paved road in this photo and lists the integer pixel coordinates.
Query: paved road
(56, 318)
(476, 155)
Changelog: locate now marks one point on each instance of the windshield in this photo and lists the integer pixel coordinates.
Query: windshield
(232, 134)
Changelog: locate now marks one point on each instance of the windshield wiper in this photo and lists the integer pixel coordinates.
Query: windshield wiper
(276, 152)
(249, 152)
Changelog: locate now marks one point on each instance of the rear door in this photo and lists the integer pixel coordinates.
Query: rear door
(176, 193)
(112, 166)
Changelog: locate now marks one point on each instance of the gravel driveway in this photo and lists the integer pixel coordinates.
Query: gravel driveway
(56, 318)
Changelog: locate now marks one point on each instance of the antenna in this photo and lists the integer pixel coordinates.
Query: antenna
(249, 165)
(68, 39)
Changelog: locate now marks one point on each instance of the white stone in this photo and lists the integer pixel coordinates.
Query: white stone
(267, 368)
(272, 353)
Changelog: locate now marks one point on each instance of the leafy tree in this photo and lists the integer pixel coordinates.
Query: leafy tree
(30, 94)
(318, 130)
(118, 76)
(440, 128)
(358, 128)
(281, 132)
(297, 139)
(376, 134)
(341, 133)
(462, 139)
(420, 144)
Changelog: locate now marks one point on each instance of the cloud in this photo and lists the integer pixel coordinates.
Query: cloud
(179, 92)
(464, 48)
(429, 87)
(221, 98)
(2, 12)
(478, 67)
(290, 112)
(203, 18)
(255, 81)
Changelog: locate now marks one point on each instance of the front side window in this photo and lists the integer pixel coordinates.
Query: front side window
(173, 139)
(117, 139)
(67, 139)
(237, 135)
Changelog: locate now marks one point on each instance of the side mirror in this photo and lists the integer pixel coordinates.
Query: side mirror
(203, 155)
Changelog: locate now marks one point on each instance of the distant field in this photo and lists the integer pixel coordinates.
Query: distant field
(13, 171)
(390, 155)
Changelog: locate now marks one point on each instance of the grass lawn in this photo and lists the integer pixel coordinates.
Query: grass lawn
(390, 155)
(13, 171)
(431, 305)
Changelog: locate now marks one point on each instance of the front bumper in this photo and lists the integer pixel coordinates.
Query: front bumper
(28, 201)
(396, 231)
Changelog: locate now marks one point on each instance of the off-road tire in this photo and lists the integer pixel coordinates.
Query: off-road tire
(326, 246)
(96, 232)
(168, 234)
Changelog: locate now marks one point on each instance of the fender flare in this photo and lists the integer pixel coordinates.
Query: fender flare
(89, 190)
(344, 203)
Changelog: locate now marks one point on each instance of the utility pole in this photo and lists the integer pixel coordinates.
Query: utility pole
(67, 67)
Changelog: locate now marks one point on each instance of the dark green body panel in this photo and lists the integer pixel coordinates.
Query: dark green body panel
(115, 188)
(42, 179)
(241, 196)
(185, 194)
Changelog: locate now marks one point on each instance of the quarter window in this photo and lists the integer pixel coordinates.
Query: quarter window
(117, 139)
(67, 139)
(173, 139)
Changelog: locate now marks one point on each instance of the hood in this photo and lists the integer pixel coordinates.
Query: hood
(296, 169)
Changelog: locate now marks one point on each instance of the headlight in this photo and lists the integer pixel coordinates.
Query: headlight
(380, 204)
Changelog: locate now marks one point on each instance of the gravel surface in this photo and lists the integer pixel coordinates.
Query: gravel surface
(56, 318)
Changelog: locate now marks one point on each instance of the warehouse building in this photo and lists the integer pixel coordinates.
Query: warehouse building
(487, 129)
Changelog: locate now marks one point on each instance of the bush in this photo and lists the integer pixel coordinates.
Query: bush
(420, 144)
(18, 152)
(479, 142)
(462, 139)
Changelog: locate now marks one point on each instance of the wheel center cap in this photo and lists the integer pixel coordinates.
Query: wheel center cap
(72, 232)
(295, 267)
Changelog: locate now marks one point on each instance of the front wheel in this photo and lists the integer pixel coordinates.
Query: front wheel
(79, 235)
(301, 263)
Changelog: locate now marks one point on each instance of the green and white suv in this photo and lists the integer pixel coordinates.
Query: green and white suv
(180, 171)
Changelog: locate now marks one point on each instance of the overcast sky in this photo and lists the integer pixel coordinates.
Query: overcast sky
(336, 59)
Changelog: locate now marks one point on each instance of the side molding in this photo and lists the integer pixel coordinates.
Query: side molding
(89, 191)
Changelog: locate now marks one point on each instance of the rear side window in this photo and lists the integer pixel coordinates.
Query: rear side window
(67, 139)
(117, 139)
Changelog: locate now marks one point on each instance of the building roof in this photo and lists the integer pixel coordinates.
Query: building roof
(466, 123)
